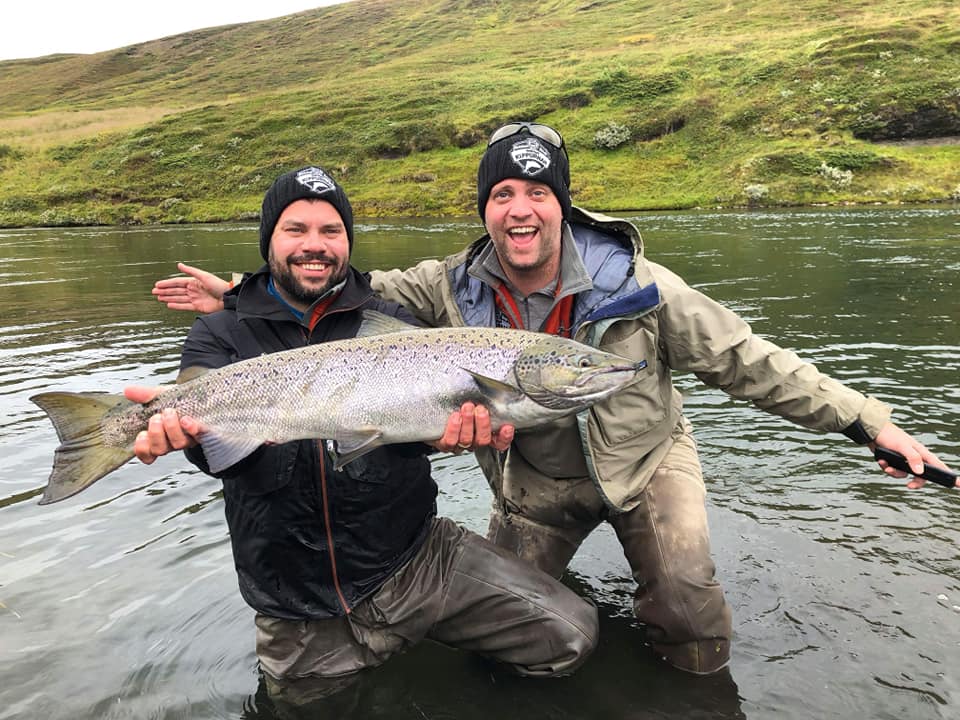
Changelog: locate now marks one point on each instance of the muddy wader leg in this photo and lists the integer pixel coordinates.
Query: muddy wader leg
(546, 548)
(666, 541)
(458, 589)
(499, 606)
(312, 662)
(543, 520)
(323, 698)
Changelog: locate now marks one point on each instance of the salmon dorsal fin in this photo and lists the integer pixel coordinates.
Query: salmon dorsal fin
(376, 323)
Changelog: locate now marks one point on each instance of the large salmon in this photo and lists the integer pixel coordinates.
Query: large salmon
(391, 384)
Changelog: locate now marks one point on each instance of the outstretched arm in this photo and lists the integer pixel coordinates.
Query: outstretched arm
(200, 291)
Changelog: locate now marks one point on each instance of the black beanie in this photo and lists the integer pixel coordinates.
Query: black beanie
(526, 157)
(308, 182)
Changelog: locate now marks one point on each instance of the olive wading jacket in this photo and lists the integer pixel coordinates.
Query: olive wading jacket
(642, 311)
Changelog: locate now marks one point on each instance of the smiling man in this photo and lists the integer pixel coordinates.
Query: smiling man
(305, 240)
(631, 460)
(347, 567)
(523, 219)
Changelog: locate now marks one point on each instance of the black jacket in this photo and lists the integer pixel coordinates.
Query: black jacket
(308, 541)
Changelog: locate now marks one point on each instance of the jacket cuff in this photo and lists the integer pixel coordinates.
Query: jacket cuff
(873, 416)
(858, 433)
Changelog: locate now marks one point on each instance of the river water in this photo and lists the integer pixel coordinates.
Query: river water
(122, 602)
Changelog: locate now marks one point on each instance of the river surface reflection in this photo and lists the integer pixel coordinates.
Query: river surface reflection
(122, 602)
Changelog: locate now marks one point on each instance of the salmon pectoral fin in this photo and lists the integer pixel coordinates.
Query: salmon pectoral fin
(350, 448)
(496, 393)
(223, 451)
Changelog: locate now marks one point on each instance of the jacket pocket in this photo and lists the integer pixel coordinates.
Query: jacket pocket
(642, 404)
(272, 471)
(371, 470)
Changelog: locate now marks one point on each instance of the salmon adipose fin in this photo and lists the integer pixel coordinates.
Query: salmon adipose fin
(83, 456)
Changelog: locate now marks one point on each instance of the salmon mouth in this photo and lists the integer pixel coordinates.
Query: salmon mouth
(625, 368)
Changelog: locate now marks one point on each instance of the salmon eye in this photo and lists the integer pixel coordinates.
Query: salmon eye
(584, 362)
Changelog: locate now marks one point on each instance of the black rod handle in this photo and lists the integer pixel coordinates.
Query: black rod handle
(939, 475)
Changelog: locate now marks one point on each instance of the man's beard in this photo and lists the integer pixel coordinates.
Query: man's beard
(283, 276)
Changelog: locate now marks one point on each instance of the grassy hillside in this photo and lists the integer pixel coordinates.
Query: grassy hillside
(663, 105)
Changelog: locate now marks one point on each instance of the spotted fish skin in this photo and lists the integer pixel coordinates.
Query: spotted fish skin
(393, 384)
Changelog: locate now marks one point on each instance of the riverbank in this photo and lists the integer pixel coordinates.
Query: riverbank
(666, 106)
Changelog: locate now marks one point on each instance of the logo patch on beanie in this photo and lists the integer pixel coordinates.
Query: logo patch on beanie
(531, 156)
(316, 179)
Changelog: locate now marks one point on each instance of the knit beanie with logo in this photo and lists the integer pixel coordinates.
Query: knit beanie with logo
(525, 157)
(308, 182)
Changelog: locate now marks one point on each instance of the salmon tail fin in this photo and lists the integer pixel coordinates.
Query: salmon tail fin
(83, 456)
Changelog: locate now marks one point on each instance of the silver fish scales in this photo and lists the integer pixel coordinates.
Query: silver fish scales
(393, 383)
